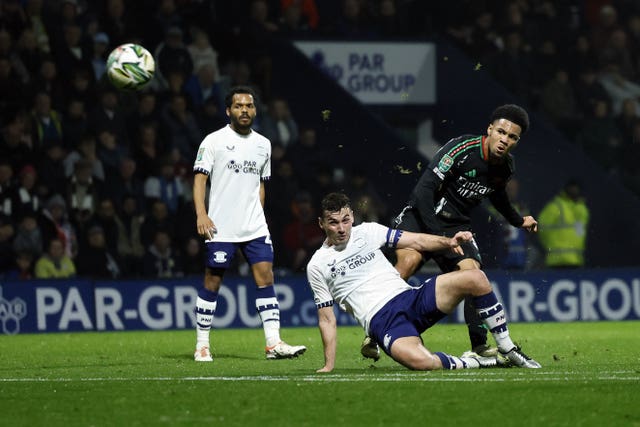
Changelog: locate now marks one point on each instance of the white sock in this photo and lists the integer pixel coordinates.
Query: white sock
(496, 320)
(204, 317)
(269, 311)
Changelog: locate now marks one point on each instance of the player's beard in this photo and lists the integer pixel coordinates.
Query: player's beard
(240, 127)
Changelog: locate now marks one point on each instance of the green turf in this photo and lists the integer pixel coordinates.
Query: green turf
(590, 377)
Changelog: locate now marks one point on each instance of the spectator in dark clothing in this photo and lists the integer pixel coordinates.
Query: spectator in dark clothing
(51, 173)
(95, 260)
(158, 219)
(172, 56)
(160, 260)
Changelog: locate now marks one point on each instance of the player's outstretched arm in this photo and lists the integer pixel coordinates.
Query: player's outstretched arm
(429, 242)
(328, 332)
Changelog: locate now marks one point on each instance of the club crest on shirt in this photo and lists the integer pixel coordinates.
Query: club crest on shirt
(445, 163)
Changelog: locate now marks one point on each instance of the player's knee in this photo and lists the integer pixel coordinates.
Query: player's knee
(478, 281)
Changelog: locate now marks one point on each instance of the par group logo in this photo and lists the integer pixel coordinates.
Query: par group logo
(11, 313)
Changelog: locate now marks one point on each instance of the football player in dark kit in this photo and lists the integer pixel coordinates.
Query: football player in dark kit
(465, 170)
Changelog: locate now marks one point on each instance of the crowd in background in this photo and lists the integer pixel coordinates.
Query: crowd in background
(97, 183)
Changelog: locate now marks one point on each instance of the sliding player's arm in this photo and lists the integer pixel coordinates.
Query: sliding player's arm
(328, 332)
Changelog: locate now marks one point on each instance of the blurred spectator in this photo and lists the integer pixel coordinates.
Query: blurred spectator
(157, 219)
(193, 257)
(48, 80)
(55, 264)
(99, 53)
(34, 10)
(11, 89)
(308, 9)
(107, 116)
(293, 24)
(126, 183)
(563, 228)
(619, 88)
(96, 260)
(117, 18)
(86, 150)
(203, 86)
(165, 186)
(110, 151)
(160, 260)
(6, 188)
(202, 53)
(281, 190)
(616, 51)
(630, 156)
(211, 116)
(512, 67)
(148, 151)
(7, 231)
(54, 224)
(279, 125)
(182, 127)
(47, 123)
(146, 112)
(557, 100)
(589, 91)
(368, 204)
(580, 56)
(82, 193)
(23, 267)
(626, 120)
(28, 55)
(307, 155)
(353, 20)
(51, 173)
(302, 236)
(28, 238)
(172, 56)
(514, 251)
(107, 219)
(16, 142)
(130, 248)
(69, 53)
(601, 139)
(25, 198)
(81, 86)
(74, 123)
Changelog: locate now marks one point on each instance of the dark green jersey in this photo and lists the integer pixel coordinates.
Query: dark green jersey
(457, 179)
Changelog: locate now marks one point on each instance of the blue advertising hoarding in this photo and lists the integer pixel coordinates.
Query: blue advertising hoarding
(81, 305)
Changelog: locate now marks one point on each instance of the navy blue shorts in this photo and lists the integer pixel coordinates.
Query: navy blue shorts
(409, 314)
(220, 254)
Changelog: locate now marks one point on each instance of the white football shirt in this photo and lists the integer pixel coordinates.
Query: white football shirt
(236, 164)
(357, 276)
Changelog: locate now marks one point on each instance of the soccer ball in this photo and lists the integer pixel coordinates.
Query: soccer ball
(130, 67)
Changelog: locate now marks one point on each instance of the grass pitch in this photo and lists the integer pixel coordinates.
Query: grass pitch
(590, 377)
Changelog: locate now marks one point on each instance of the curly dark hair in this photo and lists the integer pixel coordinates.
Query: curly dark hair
(513, 113)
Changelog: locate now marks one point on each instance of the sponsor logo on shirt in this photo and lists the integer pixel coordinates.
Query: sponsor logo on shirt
(245, 166)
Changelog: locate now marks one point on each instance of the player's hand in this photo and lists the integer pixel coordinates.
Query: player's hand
(459, 238)
(530, 224)
(206, 227)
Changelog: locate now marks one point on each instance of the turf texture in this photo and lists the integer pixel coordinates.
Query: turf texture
(590, 377)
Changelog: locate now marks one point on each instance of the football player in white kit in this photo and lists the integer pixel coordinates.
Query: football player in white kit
(237, 160)
(351, 270)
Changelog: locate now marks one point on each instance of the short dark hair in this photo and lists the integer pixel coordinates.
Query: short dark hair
(228, 99)
(334, 202)
(513, 113)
